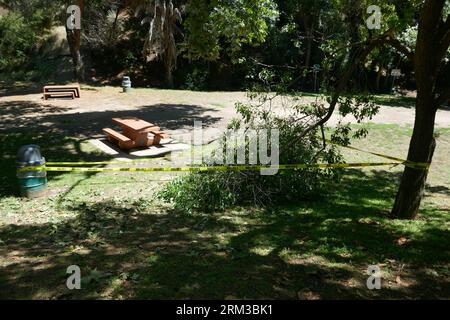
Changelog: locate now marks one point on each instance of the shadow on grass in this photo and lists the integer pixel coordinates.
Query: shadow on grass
(401, 101)
(13, 88)
(438, 189)
(28, 116)
(395, 101)
(60, 134)
(126, 249)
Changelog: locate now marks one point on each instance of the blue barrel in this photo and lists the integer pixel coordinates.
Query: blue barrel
(33, 183)
(126, 84)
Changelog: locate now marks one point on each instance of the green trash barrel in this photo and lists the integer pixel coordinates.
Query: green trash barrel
(32, 184)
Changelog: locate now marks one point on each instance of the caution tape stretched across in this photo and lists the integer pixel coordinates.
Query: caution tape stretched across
(64, 166)
(93, 163)
(407, 163)
(214, 168)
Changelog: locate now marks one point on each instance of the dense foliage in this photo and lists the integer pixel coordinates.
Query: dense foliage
(16, 41)
(220, 44)
(21, 30)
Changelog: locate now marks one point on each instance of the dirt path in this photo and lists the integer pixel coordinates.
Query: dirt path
(175, 111)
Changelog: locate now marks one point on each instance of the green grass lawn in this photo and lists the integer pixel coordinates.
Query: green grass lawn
(394, 100)
(130, 245)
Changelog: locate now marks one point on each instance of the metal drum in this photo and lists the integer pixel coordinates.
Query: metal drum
(126, 84)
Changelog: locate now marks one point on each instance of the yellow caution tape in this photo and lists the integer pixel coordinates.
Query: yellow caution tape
(60, 166)
(82, 163)
(214, 168)
(407, 163)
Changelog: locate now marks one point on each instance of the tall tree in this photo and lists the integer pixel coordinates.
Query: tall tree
(432, 69)
(433, 89)
(162, 17)
(74, 40)
(310, 16)
(223, 27)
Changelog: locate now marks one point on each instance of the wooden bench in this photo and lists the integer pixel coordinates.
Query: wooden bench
(74, 91)
(63, 89)
(160, 134)
(59, 95)
(116, 137)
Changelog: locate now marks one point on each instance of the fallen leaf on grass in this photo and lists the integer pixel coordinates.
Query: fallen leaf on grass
(432, 272)
(391, 261)
(368, 221)
(402, 241)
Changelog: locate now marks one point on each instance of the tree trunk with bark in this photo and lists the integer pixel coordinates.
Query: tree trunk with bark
(354, 16)
(74, 40)
(169, 76)
(421, 150)
(432, 44)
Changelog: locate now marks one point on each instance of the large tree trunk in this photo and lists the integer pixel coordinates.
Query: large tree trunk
(74, 39)
(430, 50)
(421, 150)
(169, 76)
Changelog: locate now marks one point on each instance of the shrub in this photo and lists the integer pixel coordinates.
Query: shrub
(218, 190)
(196, 80)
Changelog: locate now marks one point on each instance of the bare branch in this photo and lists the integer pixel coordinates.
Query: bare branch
(395, 43)
(364, 51)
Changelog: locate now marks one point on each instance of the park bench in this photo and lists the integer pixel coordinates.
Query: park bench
(58, 91)
(59, 95)
(116, 137)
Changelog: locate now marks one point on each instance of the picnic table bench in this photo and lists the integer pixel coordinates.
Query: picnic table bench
(135, 133)
(69, 91)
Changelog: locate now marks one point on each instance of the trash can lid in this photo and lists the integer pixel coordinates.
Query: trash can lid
(30, 155)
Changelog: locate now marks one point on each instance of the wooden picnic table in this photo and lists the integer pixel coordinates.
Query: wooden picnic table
(135, 133)
(134, 124)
